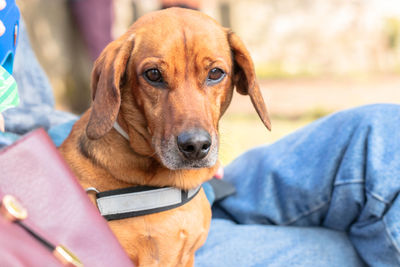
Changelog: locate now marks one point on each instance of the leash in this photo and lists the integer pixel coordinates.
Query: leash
(140, 200)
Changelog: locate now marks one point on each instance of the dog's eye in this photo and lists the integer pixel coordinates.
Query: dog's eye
(153, 75)
(215, 75)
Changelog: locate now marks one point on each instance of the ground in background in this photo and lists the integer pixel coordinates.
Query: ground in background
(293, 103)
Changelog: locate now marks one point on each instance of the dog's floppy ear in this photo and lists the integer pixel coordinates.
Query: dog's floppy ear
(244, 77)
(107, 73)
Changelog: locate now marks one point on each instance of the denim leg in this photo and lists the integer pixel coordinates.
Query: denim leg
(341, 172)
(238, 245)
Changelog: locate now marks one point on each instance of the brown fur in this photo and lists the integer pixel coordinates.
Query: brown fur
(184, 45)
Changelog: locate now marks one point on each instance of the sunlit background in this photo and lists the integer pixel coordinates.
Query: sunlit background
(312, 57)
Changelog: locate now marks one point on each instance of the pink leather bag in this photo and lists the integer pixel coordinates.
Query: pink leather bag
(59, 212)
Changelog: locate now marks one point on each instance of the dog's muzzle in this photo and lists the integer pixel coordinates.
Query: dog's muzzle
(191, 149)
(194, 144)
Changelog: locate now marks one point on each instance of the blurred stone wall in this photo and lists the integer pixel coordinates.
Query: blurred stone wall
(304, 37)
(285, 38)
(316, 37)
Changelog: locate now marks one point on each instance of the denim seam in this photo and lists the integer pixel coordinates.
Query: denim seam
(304, 214)
(390, 237)
(349, 182)
(377, 197)
(374, 195)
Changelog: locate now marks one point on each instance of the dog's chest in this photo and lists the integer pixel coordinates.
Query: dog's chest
(168, 238)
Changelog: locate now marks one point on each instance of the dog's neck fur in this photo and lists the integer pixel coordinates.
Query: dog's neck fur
(128, 166)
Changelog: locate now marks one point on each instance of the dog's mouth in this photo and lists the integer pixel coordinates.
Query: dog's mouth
(188, 151)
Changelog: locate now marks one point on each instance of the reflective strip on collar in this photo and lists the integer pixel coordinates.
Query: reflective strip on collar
(141, 200)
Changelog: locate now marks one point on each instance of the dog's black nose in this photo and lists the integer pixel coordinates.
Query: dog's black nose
(194, 144)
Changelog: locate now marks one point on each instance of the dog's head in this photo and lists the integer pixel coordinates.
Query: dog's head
(171, 78)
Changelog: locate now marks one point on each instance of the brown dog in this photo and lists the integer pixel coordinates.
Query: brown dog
(167, 82)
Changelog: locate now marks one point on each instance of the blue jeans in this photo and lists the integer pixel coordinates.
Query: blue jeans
(326, 195)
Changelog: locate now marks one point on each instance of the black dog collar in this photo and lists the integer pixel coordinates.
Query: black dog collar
(140, 200)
